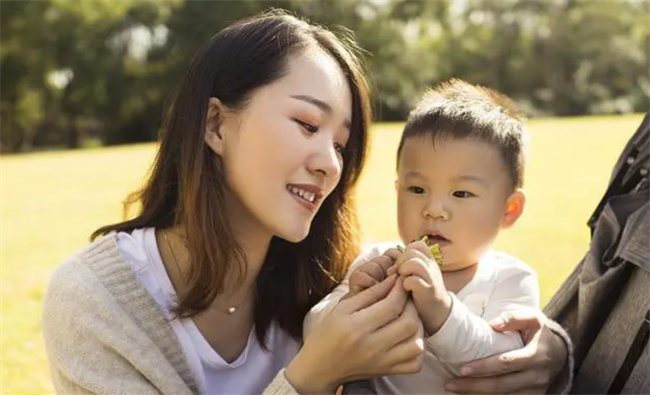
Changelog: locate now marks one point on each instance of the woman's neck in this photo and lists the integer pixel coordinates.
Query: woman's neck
(252, 237)
(254, 245)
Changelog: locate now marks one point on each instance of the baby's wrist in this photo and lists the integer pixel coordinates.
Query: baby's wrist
(437, 314)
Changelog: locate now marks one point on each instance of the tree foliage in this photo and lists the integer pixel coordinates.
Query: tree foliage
(107, 69)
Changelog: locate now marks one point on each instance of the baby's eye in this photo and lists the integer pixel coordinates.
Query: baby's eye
(416, 190)
(463, 194)
(307, 126)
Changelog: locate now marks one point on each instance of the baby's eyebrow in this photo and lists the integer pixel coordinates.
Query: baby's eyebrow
(472, 178)
(412, 174)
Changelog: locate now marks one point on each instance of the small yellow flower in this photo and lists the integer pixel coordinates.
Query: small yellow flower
(434, 248)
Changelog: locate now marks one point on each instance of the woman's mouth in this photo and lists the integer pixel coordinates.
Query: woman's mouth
(301, 193)
(308, 195)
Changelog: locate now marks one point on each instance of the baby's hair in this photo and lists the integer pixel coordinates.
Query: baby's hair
(458, 110)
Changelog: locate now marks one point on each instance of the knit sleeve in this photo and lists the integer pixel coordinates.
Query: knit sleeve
(93, 347)
(280, 386)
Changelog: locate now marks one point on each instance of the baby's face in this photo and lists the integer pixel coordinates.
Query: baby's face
(456, 191)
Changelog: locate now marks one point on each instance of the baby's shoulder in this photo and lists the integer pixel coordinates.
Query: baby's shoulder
(506, 265)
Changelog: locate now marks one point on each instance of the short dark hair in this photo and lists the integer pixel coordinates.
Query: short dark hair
(456, 109)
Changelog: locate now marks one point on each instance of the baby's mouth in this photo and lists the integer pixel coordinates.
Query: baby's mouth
(436, 239)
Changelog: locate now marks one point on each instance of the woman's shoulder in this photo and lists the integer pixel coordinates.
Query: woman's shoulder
(97, 269)
(98, 281)
(81, 272)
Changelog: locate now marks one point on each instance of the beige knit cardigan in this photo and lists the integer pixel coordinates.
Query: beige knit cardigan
(104, 334)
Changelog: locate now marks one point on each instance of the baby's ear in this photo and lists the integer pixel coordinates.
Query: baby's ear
(214, 136)
(514, 207)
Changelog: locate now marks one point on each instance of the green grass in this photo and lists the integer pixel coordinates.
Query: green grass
(50, 203)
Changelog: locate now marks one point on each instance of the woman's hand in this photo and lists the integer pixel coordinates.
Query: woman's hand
(375, 332)
(530, 369)
(369, 274)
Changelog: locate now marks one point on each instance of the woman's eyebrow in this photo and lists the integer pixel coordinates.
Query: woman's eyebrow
(326, 108)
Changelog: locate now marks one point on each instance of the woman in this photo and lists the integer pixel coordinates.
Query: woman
(246, 222)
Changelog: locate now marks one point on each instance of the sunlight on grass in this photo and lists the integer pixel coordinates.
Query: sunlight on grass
(51, 202)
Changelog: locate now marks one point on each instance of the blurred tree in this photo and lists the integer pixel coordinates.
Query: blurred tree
(68, 65)
(107, 69)
(23, 87)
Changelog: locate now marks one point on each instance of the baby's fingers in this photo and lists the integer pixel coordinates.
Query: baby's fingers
(415, 267)
(421, 246)
(415, 284)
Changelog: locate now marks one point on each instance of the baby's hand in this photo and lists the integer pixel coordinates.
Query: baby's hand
(370, 273)
(422, 277)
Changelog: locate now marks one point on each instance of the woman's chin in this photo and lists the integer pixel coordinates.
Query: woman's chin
(294, 235)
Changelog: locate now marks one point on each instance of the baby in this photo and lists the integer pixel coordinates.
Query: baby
(460, 165)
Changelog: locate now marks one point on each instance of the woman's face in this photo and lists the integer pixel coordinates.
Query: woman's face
(282, 153)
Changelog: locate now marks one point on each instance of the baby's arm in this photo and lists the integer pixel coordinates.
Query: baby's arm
(465, 336)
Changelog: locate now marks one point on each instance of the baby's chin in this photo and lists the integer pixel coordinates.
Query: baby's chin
(455, 266)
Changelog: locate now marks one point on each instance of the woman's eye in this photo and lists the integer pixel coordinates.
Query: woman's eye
(463, 194)
(339, 148)
(307, 126)
(416, 190)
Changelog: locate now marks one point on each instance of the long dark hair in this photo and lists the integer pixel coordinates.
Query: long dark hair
(186, 185)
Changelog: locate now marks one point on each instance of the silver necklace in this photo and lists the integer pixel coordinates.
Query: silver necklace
(230, 310)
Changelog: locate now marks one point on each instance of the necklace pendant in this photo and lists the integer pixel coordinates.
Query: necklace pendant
(232, 309)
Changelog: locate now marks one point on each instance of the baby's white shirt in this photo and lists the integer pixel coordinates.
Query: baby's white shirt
(502, 283)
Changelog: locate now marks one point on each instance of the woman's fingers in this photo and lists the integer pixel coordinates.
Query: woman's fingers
(528, 370)
(381, 264)
(519, 320)
(511, 361)
(385, 310)
(403, 328)
(413, 343)
(360, 280)
(411, 363)
(367, 297)
(393, 254)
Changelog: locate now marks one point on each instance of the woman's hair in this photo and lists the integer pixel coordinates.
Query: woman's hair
(187, 185)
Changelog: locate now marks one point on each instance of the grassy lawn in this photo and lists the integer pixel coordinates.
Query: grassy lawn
(51, 202)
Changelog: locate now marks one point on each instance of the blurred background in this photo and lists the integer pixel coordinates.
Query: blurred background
(84, 83)
(99, 72)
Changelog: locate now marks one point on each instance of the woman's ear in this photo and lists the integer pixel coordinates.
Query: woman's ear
(514, 207)
(214, 134)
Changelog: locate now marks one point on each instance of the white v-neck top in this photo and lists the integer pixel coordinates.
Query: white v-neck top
(250, 373)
